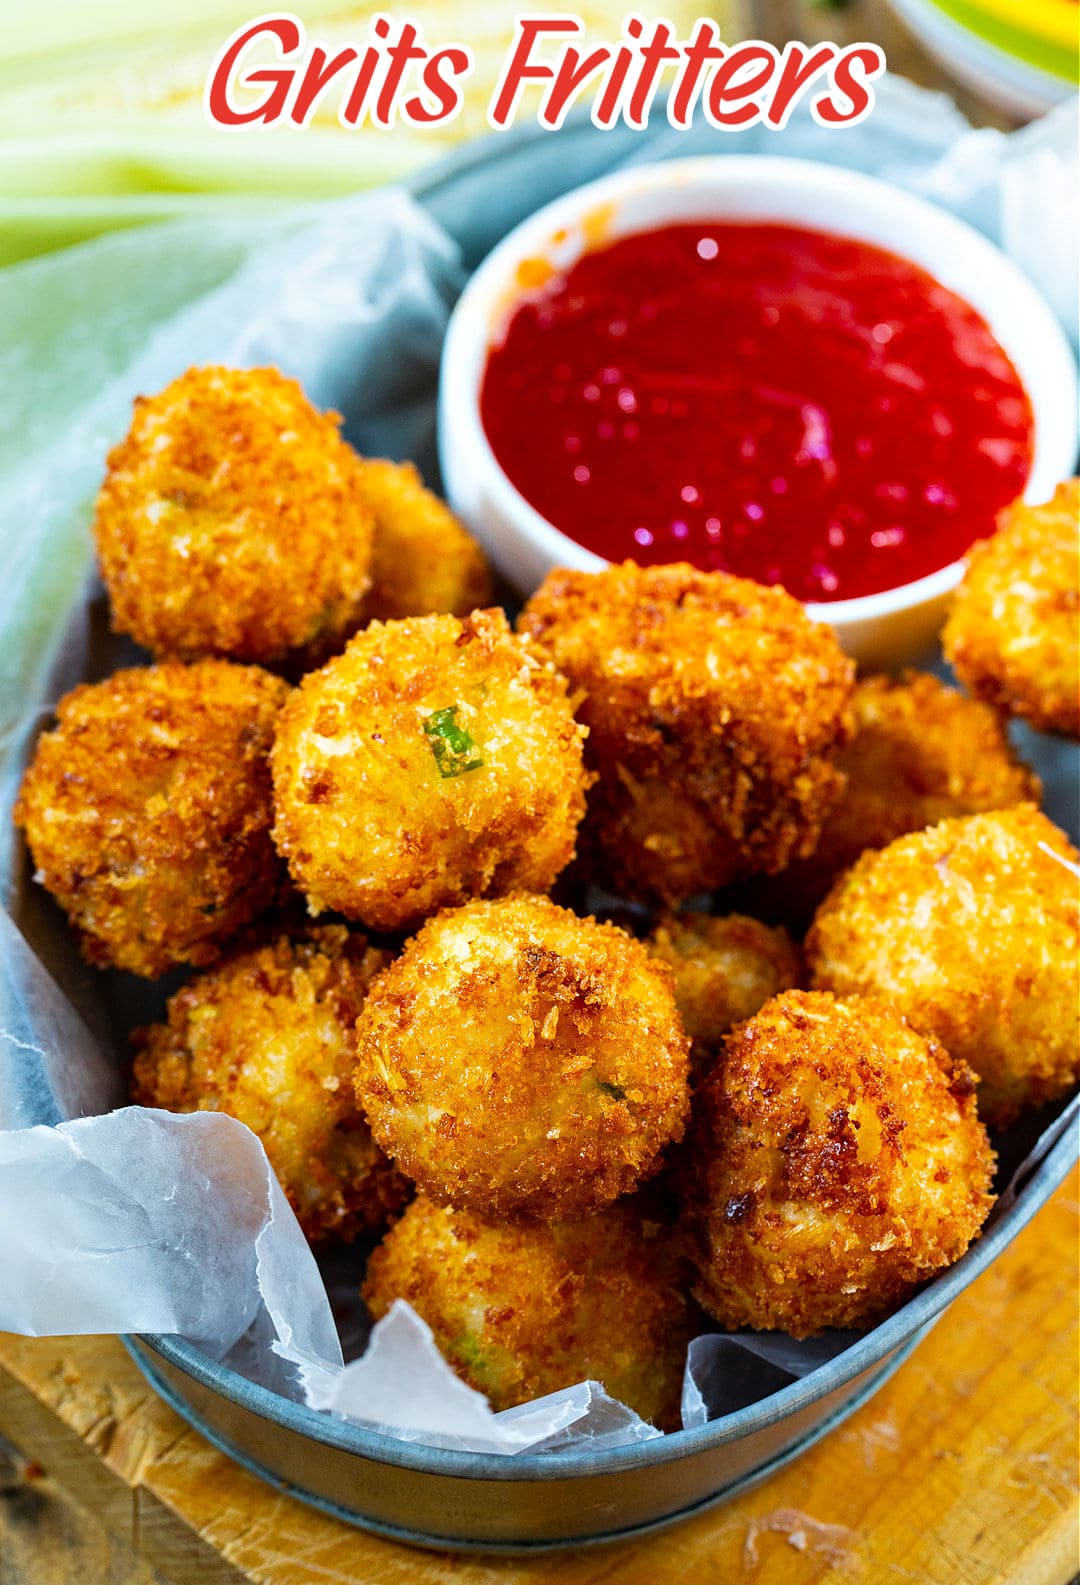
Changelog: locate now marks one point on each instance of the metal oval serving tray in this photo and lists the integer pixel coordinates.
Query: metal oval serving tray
(537, 1502)
(533, 1502)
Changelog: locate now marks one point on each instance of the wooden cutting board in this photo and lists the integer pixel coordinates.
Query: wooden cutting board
(961, 1471)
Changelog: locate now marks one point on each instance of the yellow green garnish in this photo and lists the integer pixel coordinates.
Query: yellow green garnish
(453, 748)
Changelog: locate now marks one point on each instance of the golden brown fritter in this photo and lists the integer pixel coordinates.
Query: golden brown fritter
(971, 930)
(523, 1063)
(922, 752)
(715, 708)
(434, 761)
(268, 1038)
(423, 561)
(523, 1311)
(1013, 635)
(725, 968)
(838, 1162)
(147, 811)
(232, 521)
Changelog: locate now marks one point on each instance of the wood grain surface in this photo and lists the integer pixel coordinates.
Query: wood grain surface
(960, 1471)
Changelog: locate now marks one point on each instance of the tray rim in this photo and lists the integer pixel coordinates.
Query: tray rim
(426, 1538)
(891, 1334)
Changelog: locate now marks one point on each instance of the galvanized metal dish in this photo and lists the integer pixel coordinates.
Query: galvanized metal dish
(535, 1502)
(541, 1502)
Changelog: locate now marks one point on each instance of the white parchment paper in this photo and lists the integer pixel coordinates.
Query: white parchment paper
(122, 1219)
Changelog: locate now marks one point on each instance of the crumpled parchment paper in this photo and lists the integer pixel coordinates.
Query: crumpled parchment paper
(140, 1221)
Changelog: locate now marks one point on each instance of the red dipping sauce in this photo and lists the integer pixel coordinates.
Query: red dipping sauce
(793, 407)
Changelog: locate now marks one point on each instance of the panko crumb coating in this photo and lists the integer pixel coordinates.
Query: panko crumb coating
(970, 929)
(838, 1162)
(523, 1311)
(233, 521)
(435, 760)
(147, 811)
(922, 752)
(715, 708)
(725, 968)
(267, 1037)
(423, 560)
(1013, 634)
(522, 1062)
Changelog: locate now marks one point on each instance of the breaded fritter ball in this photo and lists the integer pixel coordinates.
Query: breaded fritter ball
(147, 811)
(268, 1038)
(922, 752)
(434, 761)
(423, 560)
(523, 1063)
(970, 929)
(233, 521)
(523, 1311)
(838, 1162)
(725, 968)
(714, 707)
(1013, 635)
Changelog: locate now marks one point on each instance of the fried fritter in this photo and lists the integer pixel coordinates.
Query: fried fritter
(522, 1062)
(922, 752)
(434, 761)
(971, 930)
(233, 521)
(838, 1162)
(715, 708)
(1013, 635)
(523, 1311)
(423, 561)
(725, 968)
(148, 810)
(267, 1037)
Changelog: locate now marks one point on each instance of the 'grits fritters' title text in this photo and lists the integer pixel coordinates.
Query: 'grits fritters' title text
(269, 71)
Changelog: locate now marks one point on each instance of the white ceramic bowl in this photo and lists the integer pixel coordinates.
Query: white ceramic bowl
(886, 629)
